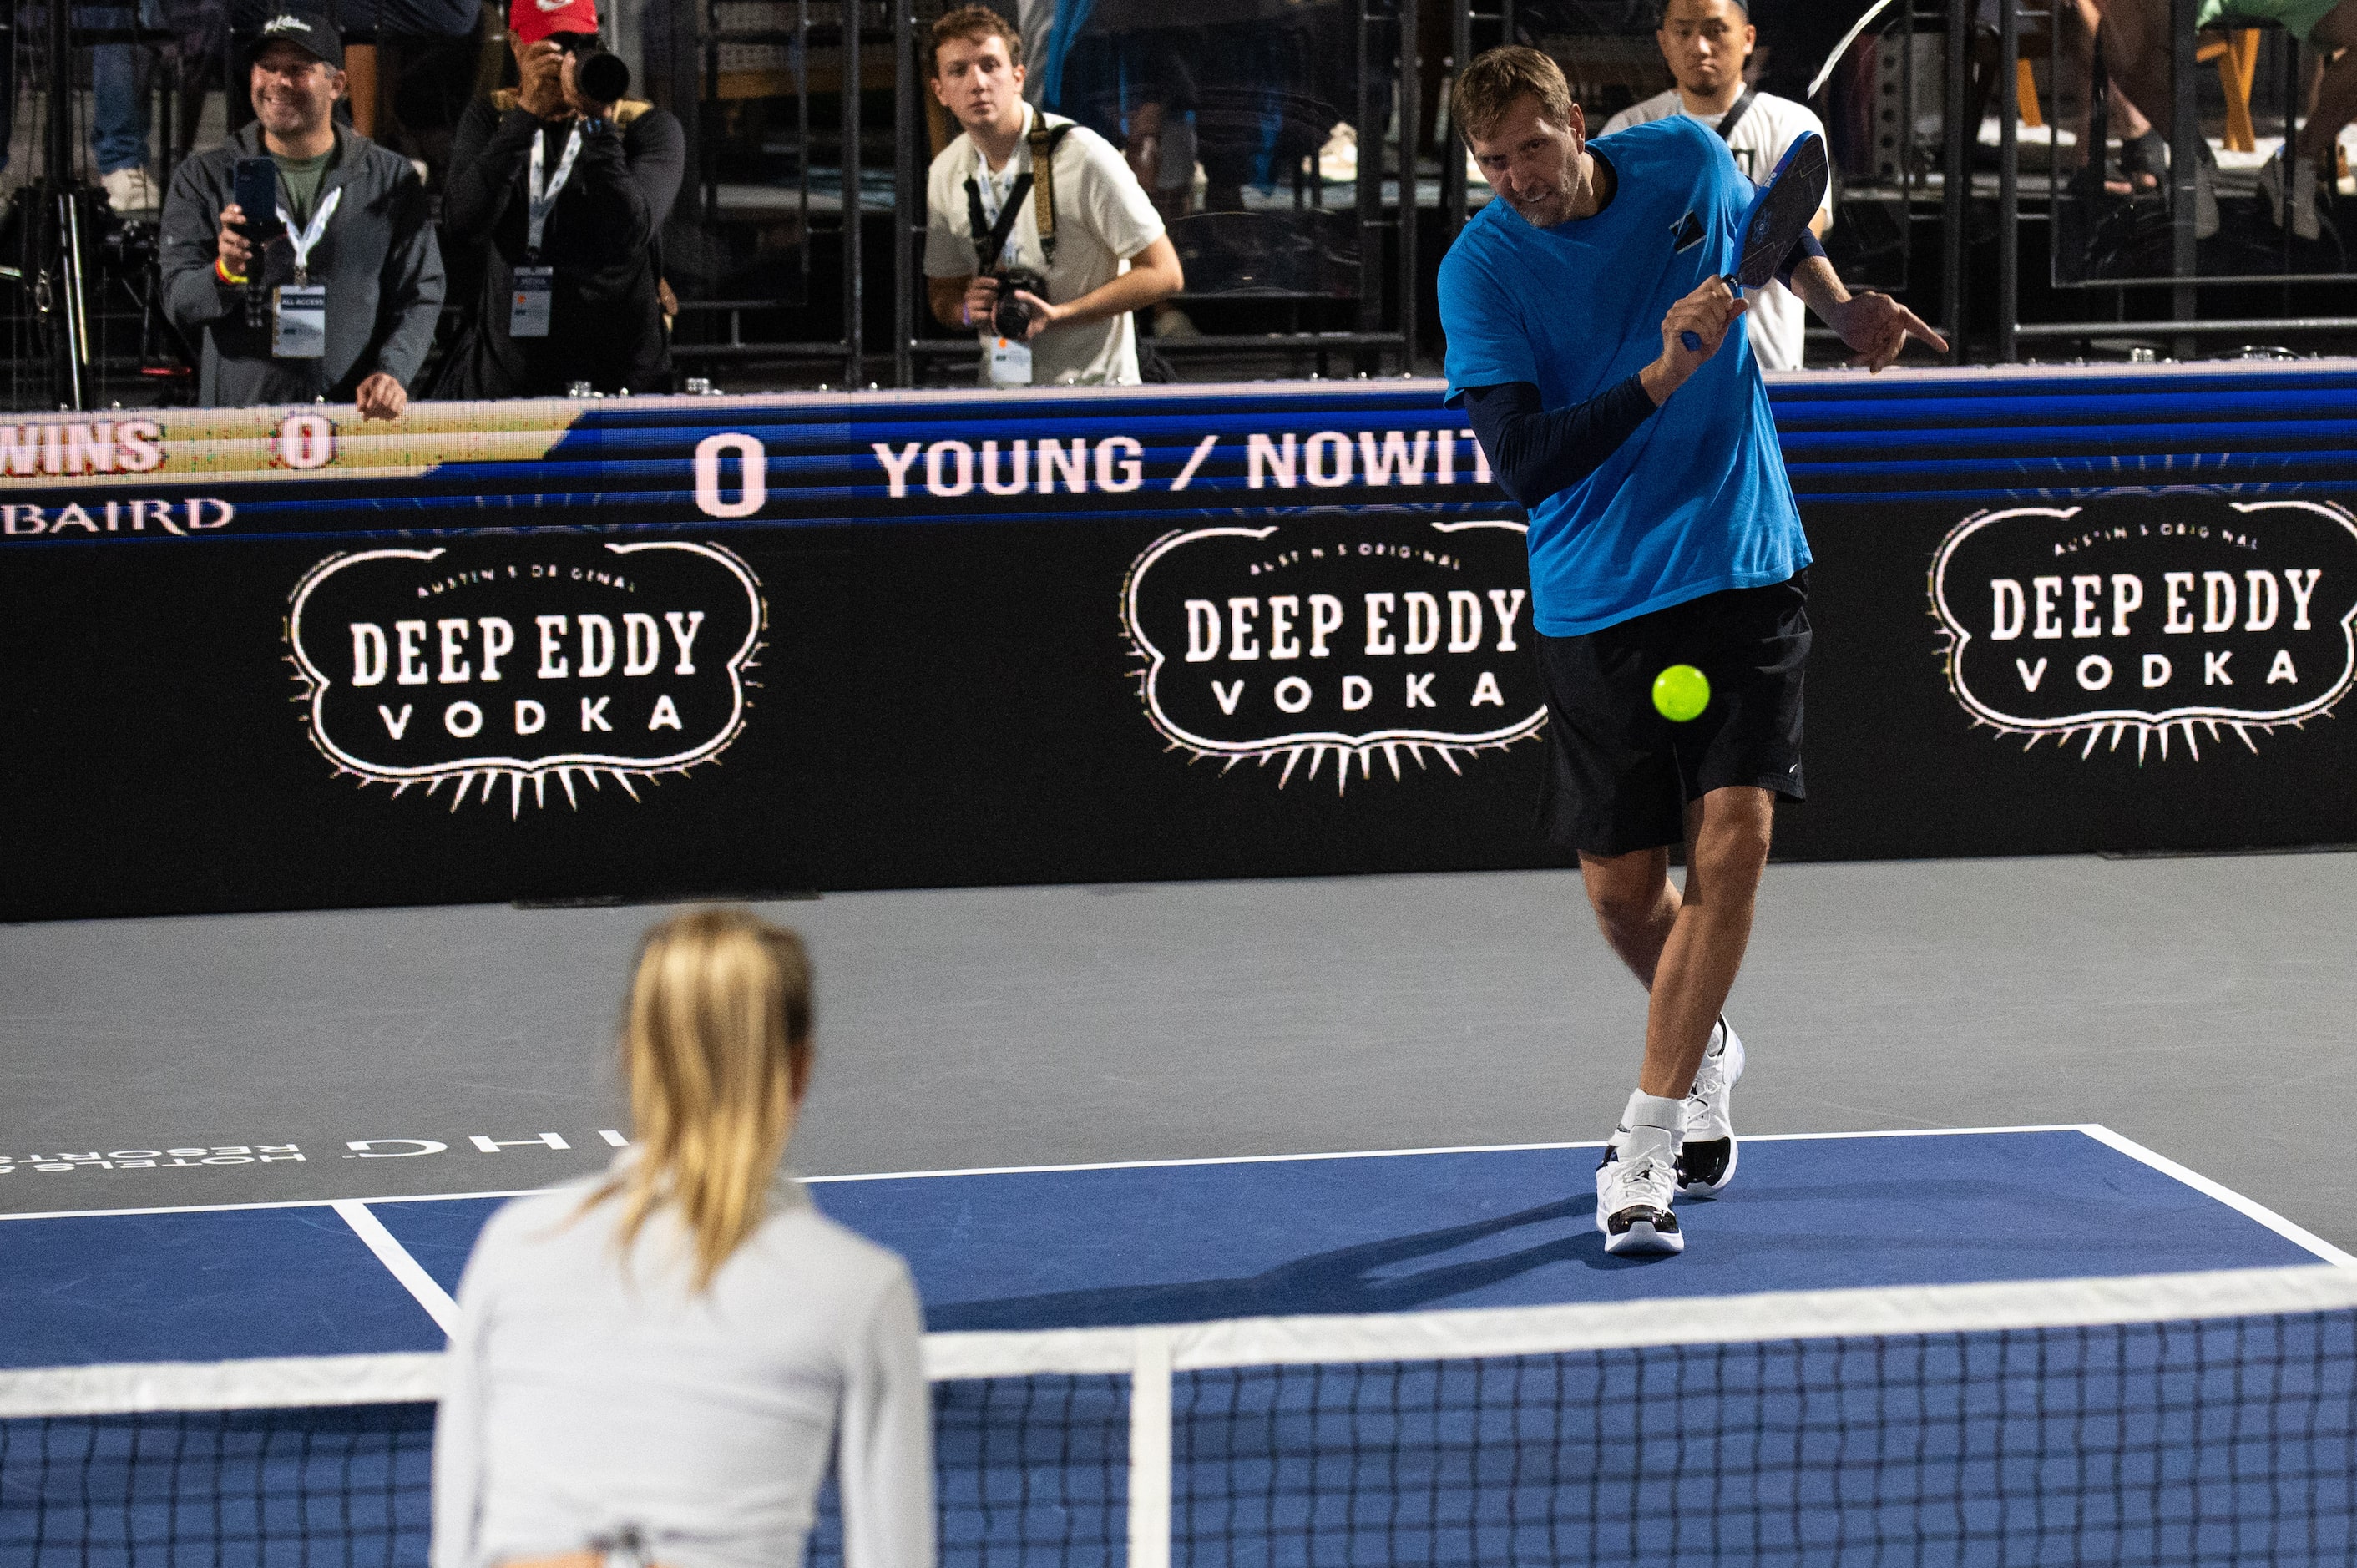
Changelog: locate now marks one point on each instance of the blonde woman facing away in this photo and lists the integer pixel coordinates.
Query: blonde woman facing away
(658, 1365)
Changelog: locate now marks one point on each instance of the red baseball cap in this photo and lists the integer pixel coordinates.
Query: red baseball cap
(533, 20)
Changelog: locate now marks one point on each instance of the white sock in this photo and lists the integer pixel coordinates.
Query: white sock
(1655, 1111)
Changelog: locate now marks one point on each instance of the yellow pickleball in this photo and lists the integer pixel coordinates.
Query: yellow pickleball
(1681, 692)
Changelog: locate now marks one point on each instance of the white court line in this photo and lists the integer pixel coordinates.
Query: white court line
(272, 1203)
(396, 1259)
(2235, 1200)
(1402, 1154)
(2248, 1207)
(1045, 1170)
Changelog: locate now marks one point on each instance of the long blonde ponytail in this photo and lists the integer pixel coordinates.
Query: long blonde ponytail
(716, 1047)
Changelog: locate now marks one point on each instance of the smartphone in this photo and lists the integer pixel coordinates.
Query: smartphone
(257, 196)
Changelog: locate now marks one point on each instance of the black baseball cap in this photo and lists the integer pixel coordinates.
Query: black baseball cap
(306, 28)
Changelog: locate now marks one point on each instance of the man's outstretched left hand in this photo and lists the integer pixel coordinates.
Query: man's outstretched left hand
(380, 397)
(1877, 327)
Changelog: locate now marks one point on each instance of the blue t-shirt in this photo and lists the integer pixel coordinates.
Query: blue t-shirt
(1697, 500)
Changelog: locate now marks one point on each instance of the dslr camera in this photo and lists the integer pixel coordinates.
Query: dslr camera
(1010, 317)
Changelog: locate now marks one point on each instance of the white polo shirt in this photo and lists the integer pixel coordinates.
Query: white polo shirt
(1103, 216)
(1777, 319)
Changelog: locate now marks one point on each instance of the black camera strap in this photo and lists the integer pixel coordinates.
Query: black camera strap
(990, 239)
(1735, 115)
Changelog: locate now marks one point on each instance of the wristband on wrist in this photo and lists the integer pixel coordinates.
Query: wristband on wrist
(220, 271)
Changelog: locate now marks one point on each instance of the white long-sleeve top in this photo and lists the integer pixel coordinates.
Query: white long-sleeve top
(589, 1393)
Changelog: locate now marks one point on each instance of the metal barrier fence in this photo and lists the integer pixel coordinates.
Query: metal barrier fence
(1303, 161)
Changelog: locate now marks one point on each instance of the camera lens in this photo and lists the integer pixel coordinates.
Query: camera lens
(603, 77)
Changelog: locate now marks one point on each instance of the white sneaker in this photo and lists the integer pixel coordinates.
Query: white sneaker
(130, 190)
(1706, 1152)
(1634, 1189)
(2302, 197)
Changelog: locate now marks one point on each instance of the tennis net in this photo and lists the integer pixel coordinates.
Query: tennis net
(2192, 1418)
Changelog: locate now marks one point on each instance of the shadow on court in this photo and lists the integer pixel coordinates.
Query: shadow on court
(1347, 1279)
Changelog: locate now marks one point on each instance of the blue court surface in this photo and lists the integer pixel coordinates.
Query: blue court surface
(1177, 1243)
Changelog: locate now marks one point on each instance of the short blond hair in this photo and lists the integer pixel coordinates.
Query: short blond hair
(716, 1047)
(970, 24)
(1487, 88)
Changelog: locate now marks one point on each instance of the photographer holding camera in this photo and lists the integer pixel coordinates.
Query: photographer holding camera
(1039, 236)
(559, 189)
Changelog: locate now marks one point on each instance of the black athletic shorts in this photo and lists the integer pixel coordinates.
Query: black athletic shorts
(1619, 774)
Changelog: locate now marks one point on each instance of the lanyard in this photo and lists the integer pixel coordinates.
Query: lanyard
(986, 191)
(310, 235)
(541, 203)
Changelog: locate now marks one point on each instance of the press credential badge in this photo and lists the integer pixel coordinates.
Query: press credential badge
(1010, 363)
(298, 326)
(535, 292)
(298, 316)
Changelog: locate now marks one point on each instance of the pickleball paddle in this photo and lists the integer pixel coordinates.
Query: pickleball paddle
(1779, 216)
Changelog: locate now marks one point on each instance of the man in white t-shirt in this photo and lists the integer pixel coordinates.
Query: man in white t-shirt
(1706, 42)
(1110, 255)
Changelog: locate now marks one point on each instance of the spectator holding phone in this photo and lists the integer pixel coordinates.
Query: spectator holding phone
(559, 189)
(332, 293)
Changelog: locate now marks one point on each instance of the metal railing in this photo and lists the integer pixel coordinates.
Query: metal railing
(1394, 221)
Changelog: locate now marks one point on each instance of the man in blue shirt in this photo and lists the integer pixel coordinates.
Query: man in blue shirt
(1662, 532)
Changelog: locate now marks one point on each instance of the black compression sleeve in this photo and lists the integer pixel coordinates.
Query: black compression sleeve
(1802, 248)
(1534, 453)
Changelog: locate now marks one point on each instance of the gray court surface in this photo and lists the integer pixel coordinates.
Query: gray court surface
(2198, 1005)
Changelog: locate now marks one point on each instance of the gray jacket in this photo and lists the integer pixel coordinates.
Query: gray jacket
(378, 258)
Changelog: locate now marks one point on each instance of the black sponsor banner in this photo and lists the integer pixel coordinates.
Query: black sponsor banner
(280, 723)
(2127, 616)
(277, 723)
(2139, 670)
(1309, 642)
(523, 662)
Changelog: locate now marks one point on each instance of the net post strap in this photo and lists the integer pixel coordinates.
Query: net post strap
(1149, 1449)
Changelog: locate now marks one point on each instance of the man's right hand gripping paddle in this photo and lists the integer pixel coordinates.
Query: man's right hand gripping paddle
(1691, 333)
(1781, 212)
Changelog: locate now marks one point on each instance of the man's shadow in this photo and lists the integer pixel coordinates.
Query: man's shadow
(1350, 1280)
